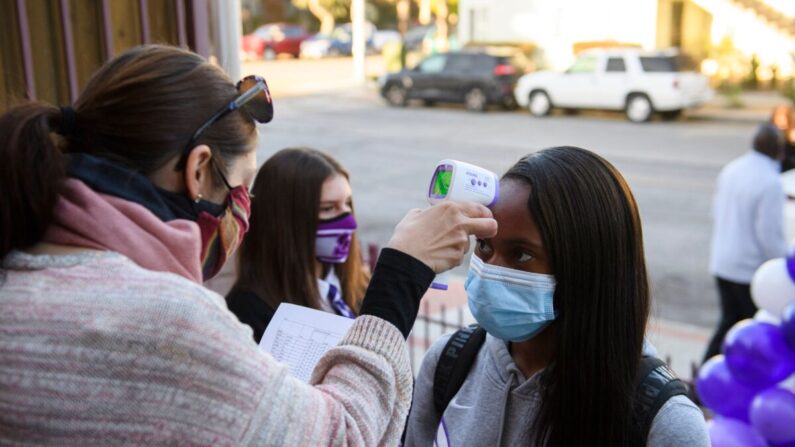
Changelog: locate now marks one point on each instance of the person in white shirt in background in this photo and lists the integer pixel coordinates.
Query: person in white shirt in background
(748, 214)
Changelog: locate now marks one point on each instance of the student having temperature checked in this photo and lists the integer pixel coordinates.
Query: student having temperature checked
(457, 181)
(561, 299)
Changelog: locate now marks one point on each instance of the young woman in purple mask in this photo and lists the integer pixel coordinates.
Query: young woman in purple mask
(302, 247)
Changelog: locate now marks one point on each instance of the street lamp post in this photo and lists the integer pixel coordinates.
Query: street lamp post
(227, 23)
(359, 40)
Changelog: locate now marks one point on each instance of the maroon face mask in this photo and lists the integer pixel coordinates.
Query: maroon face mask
(222, 234)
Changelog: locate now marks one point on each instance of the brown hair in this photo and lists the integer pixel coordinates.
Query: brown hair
(783, 117)
(277, 258)
(140, 109)
(769, 140)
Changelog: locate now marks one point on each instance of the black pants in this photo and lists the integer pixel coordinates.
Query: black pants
(735, 305)
(789, 157)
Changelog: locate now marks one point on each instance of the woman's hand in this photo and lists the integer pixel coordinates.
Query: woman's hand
(439, 236)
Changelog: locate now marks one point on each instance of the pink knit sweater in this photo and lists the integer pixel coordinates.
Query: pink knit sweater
(96, 350)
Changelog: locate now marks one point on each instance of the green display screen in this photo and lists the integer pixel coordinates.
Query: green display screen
(441, 184)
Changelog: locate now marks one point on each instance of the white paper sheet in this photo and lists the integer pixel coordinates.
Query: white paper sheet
(299, 336)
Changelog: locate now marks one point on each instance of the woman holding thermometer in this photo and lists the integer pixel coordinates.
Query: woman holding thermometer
(114, 211)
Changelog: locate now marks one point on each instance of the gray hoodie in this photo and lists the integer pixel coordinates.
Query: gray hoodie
(497, 404)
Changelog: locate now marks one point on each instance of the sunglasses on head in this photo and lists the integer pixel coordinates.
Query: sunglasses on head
(255, 99)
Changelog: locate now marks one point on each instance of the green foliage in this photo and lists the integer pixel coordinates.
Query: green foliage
(752, 81)
(789, 90)
(731, 62)
(381, 12)
(731, 91)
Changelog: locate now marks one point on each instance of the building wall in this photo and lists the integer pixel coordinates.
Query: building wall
(556, 25)
(686, 25)
(787, 7)
(39, 61)
(751, 35)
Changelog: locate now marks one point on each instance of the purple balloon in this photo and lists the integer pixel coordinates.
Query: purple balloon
(720, 392)
(757, 354)
(725, 432)
(773, 415)
(788, 325)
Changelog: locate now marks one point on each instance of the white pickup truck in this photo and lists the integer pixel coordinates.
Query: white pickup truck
(638, 82)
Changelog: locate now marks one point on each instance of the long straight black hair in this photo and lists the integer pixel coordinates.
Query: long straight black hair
(590, 228)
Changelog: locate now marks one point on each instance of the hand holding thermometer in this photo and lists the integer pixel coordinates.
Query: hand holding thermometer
(461, 182)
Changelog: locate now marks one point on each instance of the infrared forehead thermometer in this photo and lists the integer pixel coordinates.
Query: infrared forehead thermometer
(457, 181)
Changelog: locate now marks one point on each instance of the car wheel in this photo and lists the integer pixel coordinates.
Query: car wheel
(475, 100)
(539, 103)
(269, 54)
(429, 102)
(670, 115)
(639, 108)
(396, 95)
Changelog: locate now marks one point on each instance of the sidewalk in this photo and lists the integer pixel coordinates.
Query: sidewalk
(304, 77)
(756, 107)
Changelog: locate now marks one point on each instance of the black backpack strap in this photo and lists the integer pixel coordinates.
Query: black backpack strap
(454, 363)
(656, 383)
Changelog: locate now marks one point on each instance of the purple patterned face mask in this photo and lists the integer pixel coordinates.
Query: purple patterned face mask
(333, 240)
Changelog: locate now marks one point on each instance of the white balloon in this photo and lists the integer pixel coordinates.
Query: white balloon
(788, 383)
(764, 316)
(771, 288)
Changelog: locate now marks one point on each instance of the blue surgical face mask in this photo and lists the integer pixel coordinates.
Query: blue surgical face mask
(509, 304)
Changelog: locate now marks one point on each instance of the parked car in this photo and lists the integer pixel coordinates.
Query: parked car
(416, 36)
(269, 41)
(638, 82)
(339, 43)
(475, 78)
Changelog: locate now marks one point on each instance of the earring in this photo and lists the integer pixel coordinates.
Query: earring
(198, 197)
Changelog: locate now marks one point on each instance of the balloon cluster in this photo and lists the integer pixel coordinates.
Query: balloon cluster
(751, 386)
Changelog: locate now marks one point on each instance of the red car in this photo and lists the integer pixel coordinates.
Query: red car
(271, 40)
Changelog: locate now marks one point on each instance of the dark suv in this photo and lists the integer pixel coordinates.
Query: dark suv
(475, 78)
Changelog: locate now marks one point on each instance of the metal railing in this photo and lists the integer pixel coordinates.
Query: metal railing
(428, 328)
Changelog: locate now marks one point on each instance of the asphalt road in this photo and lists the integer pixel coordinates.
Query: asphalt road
(390, 153)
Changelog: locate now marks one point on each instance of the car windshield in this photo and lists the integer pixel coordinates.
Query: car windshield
(433, 64)
(584, 64)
